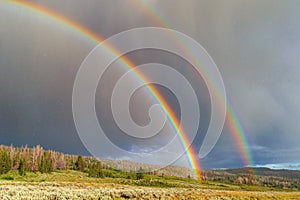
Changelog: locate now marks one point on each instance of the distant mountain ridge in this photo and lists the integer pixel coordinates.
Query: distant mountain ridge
(130, 166)
(282, 178)
(264, 171)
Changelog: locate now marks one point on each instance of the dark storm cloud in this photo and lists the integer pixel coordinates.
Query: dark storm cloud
(254, 43)
(39, 58)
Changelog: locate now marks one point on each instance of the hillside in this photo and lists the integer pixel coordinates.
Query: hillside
(35, 173)
(129, 166)
(263, 171)
(37, 159)
(256, 176)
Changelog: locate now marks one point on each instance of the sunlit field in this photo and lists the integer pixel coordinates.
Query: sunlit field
(77, 185)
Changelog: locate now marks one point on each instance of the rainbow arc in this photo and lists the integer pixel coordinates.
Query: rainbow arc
(39, 10)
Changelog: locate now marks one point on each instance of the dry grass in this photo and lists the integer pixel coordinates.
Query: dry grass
(52, 190)
(76, 185)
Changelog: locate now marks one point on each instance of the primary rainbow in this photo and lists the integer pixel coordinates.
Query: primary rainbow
(233, 123)
(36, 9)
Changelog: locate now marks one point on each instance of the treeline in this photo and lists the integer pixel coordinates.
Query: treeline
(243, 176)
(37, 159)
(129, 166)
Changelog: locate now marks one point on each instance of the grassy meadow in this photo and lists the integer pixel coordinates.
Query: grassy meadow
(69, 184)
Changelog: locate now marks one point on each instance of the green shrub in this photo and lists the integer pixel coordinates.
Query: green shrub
(139, 176)
(95, 170)
(9, 178)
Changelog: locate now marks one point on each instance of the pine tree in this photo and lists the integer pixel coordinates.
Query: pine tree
(46, 164)
(22, 167)
(95, 170)
(5, 164)
(79, 164)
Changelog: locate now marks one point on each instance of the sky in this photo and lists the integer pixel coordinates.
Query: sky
(255, 45)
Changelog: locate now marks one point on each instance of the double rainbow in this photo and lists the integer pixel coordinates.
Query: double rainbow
(192, 156)
(233, 123)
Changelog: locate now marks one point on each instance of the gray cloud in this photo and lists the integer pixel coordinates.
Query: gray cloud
(255, 44)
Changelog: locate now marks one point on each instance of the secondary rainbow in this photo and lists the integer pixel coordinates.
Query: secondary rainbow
(233, 123)
(191, 154)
